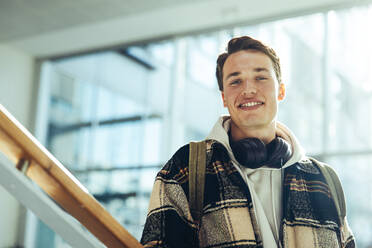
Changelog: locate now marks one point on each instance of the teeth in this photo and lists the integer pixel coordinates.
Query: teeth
(250, 104)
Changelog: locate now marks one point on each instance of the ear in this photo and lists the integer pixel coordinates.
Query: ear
(223, 99)
(281, 94)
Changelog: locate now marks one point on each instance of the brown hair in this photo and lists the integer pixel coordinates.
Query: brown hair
(244, 43)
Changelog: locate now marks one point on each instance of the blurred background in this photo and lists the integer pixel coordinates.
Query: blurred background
(113, 88)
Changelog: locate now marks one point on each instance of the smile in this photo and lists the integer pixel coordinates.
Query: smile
(250, 104)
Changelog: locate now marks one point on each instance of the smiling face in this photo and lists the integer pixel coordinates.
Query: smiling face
(251, 93)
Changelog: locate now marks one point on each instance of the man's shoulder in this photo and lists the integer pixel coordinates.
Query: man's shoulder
(315, 163)
(178, 164)
(331, 178)
(309, 165)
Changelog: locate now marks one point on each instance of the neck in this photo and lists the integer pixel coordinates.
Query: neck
(266, 134)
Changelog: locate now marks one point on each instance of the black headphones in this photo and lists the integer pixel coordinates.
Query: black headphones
(253, 153)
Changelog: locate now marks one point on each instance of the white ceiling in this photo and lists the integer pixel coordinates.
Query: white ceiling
(24, 18)
(52, 28)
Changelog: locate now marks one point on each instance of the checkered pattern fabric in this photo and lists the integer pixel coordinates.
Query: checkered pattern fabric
(309, 215)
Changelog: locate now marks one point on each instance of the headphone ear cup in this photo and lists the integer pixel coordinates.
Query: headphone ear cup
(253, 153)
(249, 152)
(279, 152)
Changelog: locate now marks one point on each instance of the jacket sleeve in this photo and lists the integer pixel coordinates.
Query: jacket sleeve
(169, 222)
(347, 237)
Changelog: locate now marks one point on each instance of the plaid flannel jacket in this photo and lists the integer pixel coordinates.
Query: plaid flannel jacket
(309, 219)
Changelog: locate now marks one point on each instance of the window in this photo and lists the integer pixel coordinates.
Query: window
(116, 117)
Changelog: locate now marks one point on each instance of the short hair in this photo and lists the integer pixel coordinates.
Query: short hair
(246, 43)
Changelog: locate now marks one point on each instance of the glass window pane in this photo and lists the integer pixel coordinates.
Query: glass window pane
(350, 77)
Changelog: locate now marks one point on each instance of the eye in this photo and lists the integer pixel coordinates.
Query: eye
(261, 78)
(235, 82)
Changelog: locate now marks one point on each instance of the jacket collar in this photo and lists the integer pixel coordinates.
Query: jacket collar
(221, 128)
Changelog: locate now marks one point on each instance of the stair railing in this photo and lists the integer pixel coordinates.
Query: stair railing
(49, 174)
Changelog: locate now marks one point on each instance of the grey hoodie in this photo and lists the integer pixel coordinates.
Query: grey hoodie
(264, 183)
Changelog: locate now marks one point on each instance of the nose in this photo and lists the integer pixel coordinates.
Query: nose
(249, 88)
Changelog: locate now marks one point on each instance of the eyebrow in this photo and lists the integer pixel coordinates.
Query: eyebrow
(259, 69)
(236, 73)
(233, 74)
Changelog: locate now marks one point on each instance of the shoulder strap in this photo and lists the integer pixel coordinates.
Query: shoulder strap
(335, 188)
(197, 165)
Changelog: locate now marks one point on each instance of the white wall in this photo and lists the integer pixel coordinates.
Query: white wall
(16, 87)
(16, 82)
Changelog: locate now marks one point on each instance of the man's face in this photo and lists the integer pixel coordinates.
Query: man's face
(251, 90)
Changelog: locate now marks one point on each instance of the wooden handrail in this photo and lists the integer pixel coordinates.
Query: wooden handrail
(43, 168)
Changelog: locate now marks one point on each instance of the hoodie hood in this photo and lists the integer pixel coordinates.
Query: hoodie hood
(220, 133)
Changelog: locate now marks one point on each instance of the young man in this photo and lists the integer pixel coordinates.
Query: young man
(260, 188)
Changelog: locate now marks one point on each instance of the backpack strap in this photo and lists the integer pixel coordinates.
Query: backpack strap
(197, 165)
(335, 187)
